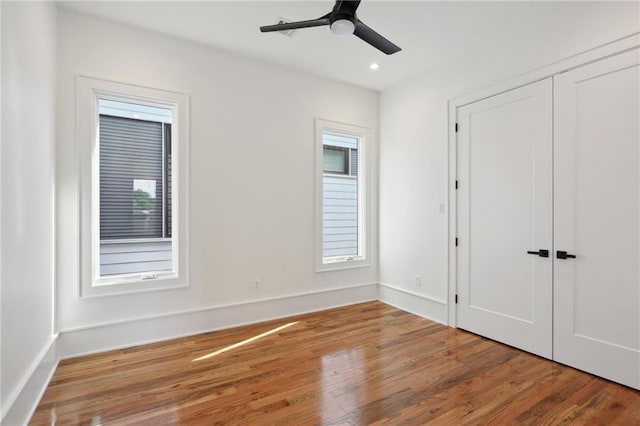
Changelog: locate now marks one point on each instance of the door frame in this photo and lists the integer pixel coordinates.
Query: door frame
(600, 52)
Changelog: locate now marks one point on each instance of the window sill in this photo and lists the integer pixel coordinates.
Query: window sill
(136, 240)
(338, 175)
(133, 284)
(339, 265)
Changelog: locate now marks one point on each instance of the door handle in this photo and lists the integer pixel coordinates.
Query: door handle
(541, 252)
(561, 254)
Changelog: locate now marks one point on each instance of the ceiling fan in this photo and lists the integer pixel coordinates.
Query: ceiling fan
(343, 21)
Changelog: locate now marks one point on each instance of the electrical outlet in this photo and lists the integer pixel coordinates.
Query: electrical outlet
(256, 284)
(418, 281)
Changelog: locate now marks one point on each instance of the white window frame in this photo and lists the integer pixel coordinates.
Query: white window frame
(363, 135)
(88, 91)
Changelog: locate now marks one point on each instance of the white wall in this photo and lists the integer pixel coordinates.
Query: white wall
(27, 167)
(252, 185)
(413, 135)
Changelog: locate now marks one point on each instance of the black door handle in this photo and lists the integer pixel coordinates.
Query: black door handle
(541, 252)
(561, 254)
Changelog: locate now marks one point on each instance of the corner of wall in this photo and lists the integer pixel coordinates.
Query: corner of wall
(22, 404)
(418, 304)
(29, 350)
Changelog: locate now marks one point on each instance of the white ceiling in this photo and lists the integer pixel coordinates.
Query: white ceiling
(433, 35)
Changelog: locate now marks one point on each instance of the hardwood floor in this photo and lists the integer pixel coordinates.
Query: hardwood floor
(363, 364)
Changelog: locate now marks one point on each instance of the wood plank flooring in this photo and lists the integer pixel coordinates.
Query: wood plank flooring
(362, 364)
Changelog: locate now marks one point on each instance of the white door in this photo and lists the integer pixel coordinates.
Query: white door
(504, 212)
(597, 218)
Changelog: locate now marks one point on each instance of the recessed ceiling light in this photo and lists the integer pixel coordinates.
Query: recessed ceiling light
(374, 66)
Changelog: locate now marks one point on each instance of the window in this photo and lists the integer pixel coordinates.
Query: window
(341, 230)
(335, 159)
(133, 193)
(339, 160)
(135, 188)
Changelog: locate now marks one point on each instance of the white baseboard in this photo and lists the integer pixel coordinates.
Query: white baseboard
(104, 337)
(415, 303)
(21, 405)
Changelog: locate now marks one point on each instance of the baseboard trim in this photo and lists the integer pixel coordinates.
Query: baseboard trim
(138, 331)
(23, 402)
(415, 303)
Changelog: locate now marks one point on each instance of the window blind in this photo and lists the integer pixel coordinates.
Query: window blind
(354, 162)
(131, 178)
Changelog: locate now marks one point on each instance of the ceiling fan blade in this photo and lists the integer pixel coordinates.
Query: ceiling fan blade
(365, 33)
(348, 7)
(295, 25)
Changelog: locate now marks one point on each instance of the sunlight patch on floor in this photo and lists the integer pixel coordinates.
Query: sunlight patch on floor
(244, 342)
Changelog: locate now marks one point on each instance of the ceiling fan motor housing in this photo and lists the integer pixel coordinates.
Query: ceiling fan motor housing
(343, 25)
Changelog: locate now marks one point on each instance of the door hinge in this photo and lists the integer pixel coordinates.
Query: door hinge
(456, 298)
(456, 241)
(456, 127)
(456, 184)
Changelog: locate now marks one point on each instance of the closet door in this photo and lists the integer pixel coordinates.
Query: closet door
(597, 218)
(505, 217)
